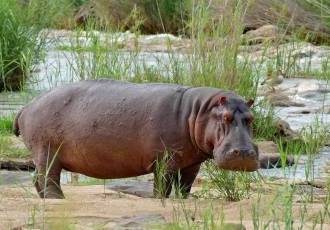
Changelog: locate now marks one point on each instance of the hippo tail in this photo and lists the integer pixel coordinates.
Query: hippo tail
(15, 124)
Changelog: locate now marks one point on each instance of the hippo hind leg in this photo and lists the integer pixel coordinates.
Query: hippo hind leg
(47, 177)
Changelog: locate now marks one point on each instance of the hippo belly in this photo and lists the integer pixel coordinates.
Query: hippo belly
(101, 160)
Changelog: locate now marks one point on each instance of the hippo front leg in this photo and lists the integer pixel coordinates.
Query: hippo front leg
(185, 180)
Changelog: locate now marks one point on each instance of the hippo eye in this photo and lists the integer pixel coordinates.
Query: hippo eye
(227, 117)
(249, 120)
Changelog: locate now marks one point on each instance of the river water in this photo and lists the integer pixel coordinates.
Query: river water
(61, 67)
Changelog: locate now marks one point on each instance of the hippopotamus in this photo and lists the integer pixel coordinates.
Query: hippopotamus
(112, 129)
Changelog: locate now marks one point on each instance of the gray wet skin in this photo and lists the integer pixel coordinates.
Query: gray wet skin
(111, 129)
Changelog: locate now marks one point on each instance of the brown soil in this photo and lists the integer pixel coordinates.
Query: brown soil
(91, 207)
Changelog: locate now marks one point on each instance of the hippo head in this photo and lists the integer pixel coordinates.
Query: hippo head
(228, 134)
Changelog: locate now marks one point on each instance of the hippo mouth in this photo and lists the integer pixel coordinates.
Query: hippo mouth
(238, 161)
(239, 165)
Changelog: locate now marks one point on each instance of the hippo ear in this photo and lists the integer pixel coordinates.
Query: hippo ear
(250, 103)
(222, 100)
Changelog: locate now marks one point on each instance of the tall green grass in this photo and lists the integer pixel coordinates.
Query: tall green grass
(18, 44)
(21, 44)
(6, 124)
(228, 185)
(51, 14)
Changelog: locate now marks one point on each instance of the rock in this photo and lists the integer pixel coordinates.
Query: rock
(269, 156)
(136, 222)
(282, 100)
(324, 110)
(134, 187)
(267, 147)
(17, 164)
(14, 177)
(265, 33)
(85, 12)
(273, 80)
(284, 129)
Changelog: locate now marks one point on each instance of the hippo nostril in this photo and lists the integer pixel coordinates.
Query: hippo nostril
(236, 152)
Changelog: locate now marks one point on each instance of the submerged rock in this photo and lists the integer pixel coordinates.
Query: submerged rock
(269, 156)
(274, 160)
(322, 110)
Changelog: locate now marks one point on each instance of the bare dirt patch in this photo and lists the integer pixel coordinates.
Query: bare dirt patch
(94, 206)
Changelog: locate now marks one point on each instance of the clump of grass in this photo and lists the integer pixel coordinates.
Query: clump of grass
(263, 125)
(232, 186)
(311, 139)
(314, 137)
(161, 178)
(6, 124)
(9, 150)
(18, 44)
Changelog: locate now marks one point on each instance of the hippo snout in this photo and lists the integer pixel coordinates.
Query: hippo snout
(245, 154)
(238, 160)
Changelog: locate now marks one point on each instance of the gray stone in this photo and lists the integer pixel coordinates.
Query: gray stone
(136, 222)
(137, 187)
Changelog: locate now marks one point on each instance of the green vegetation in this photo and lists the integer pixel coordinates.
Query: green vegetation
(18, 46)
(231, 186)
(214, 65)
(161, 176)
(312, 139)
(213, 61)
(8, 148)
(50, 14)
(21, 44)
(6, 124)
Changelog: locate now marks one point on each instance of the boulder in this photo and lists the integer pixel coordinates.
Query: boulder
(282, 100)
(283, 129)
(265, 33)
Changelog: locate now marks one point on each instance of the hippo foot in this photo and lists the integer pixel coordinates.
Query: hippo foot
(48, 189)
(50, 192)
(51, 195)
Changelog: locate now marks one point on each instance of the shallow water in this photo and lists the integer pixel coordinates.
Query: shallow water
(61, 67)
(307, 168)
